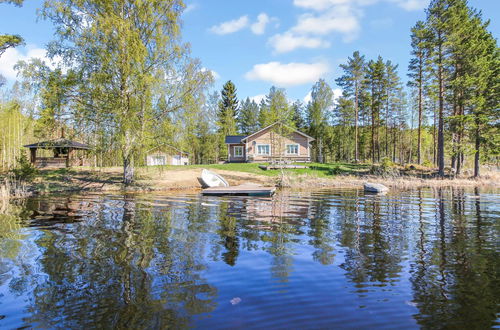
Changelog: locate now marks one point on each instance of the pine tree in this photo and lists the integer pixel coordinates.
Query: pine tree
(248, 119)
(352, 84)
(392, 85)
(416, 69)
(375, 78)
(227, 115)
(228, 109)
(437, 25)
(298, 115)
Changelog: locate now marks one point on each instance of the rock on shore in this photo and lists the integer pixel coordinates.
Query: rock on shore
(375, 187)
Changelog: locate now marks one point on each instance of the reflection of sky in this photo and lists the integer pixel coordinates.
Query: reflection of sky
(321, 259)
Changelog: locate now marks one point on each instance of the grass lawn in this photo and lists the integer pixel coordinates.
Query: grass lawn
(315, 169)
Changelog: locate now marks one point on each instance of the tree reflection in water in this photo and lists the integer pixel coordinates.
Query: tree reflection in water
(145, 261)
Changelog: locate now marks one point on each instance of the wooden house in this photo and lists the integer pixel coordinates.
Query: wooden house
(166, 155)
(272, 143)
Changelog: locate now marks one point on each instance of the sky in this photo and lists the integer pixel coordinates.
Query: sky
(262, 43)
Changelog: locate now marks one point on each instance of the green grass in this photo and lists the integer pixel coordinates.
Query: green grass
(315, 169)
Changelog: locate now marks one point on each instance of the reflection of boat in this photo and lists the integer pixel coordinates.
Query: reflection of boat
(211, 179)
(246, 190)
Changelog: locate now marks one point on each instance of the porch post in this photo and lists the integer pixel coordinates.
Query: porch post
(33, 155)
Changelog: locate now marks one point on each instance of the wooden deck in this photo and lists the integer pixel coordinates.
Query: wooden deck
(280, 166)
(248, 190)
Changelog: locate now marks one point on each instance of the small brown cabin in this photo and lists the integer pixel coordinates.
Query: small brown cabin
(64, 152)
(274, 142)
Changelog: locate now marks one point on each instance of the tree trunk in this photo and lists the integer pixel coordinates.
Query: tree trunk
(128, 169)
(320, 150)
(356, 152)
(440, 151)
(476, 155)
(419, 137)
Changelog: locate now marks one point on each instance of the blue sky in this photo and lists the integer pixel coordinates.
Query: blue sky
(260, 43)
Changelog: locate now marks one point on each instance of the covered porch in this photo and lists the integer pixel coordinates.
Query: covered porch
(65, 153)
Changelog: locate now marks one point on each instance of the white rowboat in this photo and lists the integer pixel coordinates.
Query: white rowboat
(211, 179)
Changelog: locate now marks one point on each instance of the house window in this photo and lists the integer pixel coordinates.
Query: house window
(292, 149)
(263, 149)
(159, 160)
(238, 151)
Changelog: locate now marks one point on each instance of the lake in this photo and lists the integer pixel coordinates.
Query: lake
(322, 259)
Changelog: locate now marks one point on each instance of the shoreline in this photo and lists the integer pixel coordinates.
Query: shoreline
(108, 180)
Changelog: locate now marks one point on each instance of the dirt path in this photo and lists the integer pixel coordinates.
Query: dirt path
(179, 179)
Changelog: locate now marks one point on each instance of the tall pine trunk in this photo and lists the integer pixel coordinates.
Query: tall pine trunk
(477, 154)
(419, 142)
(440, 148)
(356, 152)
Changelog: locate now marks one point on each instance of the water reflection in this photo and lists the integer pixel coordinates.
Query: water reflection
(311, 259)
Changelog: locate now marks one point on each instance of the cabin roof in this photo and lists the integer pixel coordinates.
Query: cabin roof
(233, 139)
(165, 146)
(58, 143)
(263, 129)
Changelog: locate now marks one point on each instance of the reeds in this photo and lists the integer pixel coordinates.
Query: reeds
(13, 188)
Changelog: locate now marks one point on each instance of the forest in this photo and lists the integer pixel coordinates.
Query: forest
(127, 82)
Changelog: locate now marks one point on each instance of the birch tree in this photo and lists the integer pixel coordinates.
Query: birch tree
(133, 66)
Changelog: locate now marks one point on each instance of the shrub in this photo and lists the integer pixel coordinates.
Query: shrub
(386, 163)
(427, 163)
(335, 170)
(25, 170)
(386, 168)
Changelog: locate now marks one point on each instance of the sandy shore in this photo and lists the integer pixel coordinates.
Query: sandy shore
(109, 179)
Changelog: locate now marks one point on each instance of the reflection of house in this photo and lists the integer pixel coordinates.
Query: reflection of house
(166, 155)
(281, 208)
(276, 141)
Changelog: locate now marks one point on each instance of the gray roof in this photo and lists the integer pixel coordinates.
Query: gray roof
(58, 143)
(230, 139)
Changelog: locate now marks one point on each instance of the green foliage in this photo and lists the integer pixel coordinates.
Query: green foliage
(7, 41)
(275, 108)
(386, 163)
(427, 163)
(131, 76)
(24, 170)
(228, 109)
(248, 119)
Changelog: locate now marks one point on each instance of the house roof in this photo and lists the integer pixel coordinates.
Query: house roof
(233, 139)
(58, 143)
(295, 130)
(168, 146)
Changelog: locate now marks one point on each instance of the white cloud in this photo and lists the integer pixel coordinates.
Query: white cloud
(319, 4)
(257, 98)
(230, 26)
(13, 55)
(289, 41)
(290, 74)
(191, 7)
(259, 27)
(343, 19)
(410, 5)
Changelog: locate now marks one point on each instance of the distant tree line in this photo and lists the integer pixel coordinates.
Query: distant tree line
(128, 88)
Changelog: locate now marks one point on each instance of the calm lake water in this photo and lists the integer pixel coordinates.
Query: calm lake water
(324, 259)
